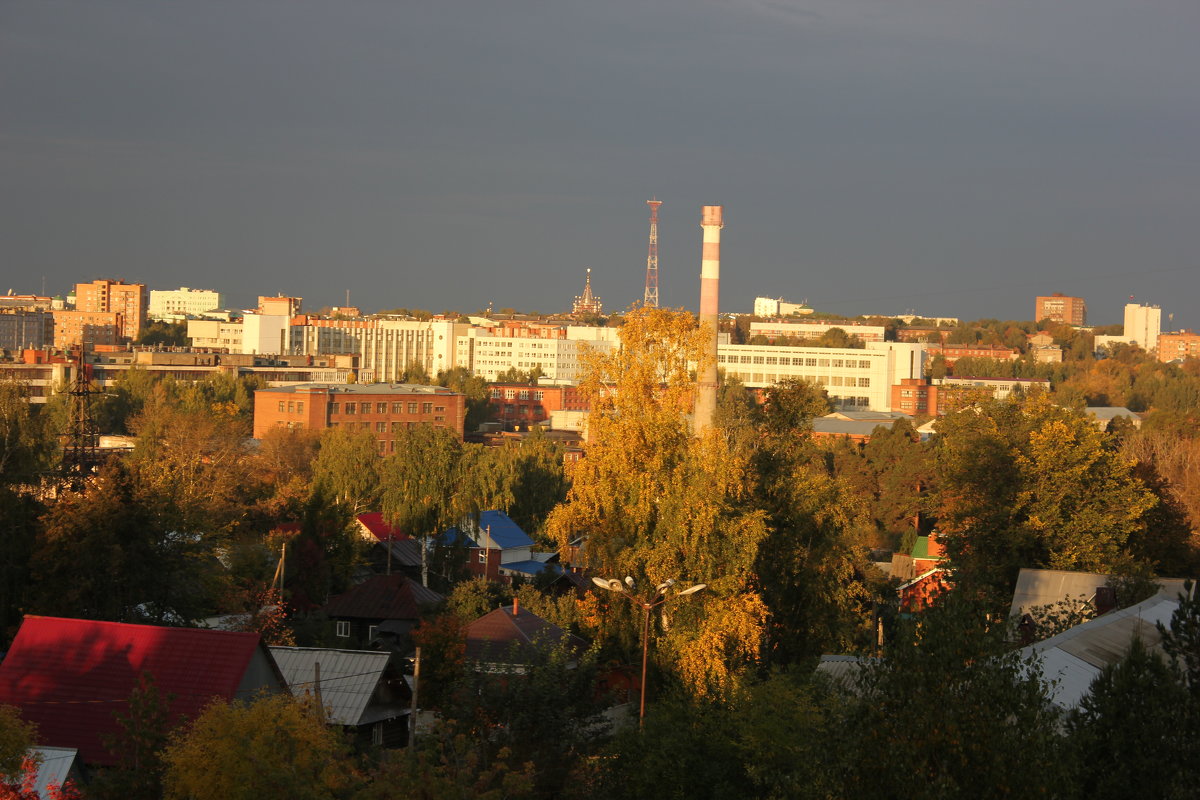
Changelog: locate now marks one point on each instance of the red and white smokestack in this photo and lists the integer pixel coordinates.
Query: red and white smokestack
(710, 281)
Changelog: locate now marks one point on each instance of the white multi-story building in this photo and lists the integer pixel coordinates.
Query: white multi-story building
(265, 334)
(165, 304)
(387, 347)
(560, 353)
(1143, 324)
(814, 330)
(854, 378)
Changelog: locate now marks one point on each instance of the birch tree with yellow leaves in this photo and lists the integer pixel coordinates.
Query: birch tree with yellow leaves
(654, 502)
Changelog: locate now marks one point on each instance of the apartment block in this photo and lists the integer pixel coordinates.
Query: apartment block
(73, 328)
(22, 329)
(915, 396)
(381, 409)
(517, 405)
(1143, 324)
(130, 300)
(1180, 345)
(1060, 308)
(560, 352)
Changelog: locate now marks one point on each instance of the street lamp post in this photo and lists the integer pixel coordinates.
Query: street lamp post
(656, 599)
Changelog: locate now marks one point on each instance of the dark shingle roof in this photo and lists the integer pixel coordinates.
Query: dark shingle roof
(383, 597)
(502, 636)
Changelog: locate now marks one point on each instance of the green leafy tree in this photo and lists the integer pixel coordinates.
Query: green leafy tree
(347, 467)
(165, 334)
(142, 735)
(951, 708)
(1134, 733)
(271, 747)
(1028, 483)
(475, 388)
(16, 737)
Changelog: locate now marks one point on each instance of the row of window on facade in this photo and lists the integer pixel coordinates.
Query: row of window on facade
(824, 380)
(788, 361)
(517, 394)
(381, 427)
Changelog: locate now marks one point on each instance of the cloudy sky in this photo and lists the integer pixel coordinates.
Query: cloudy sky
(956, 157)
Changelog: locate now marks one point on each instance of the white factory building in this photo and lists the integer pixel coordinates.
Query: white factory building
(854, 378)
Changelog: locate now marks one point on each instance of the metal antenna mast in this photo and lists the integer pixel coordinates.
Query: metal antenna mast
(81, 454)
(651, 298)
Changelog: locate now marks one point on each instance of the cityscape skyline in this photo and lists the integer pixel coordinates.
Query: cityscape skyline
(871, 157)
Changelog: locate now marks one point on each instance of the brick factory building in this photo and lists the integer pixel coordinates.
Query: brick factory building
(384, 409)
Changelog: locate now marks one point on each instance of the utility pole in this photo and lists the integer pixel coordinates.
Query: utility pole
(412, 714)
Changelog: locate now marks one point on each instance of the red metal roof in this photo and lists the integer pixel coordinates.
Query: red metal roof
(373, 521)
(72, 676)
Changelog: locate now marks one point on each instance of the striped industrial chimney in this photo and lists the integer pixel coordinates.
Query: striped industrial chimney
(710, 280)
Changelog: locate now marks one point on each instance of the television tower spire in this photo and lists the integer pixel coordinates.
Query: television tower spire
(651, 298)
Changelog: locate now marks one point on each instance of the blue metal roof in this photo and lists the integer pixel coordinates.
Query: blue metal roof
(531, 568)
(504, 532)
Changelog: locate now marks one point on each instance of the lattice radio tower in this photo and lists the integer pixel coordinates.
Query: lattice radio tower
(651, 298)
(81, 452)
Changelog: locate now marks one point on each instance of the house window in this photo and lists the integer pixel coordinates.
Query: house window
(282, 405)
(343, 629)
(864, 381)
(412, 408)
(335, 408)
(377, 734)
(381, 427)
(365, 408)
(426, 408)
(291, 407)
(481, 556)
(523, 394)
(397, 408)
(381, 408)
(351, 408)
(371, 631)
(300, 406)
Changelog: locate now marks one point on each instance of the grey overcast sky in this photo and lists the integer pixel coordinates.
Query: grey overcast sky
(956, 157)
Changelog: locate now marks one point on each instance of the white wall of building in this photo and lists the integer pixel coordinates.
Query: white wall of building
(1143, 324)
(215, 333)
(489, 355)
(854, 378)
(265, 334)
(164, 303)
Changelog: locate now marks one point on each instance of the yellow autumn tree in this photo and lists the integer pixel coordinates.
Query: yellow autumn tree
(654, 502)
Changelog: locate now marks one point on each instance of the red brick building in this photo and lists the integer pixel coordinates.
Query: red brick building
(953, 352)
(130, 300)
(517, 405)
(915, 396)
(1183, 344)
(383, 409)
(1062, 309)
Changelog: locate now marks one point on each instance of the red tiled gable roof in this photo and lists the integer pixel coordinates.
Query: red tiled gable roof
(496, 635)
(383, 597)
(71, 676)
(373, 521)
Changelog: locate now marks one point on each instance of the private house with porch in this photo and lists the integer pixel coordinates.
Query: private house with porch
(497, 548)
(361, 690)
(390, 605)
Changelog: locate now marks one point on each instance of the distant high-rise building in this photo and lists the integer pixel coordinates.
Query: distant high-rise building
(1060, 308)
(129, 300)
(183, 301)
(775, 307)
(280, 305)
(1143, 324)
(587, 303)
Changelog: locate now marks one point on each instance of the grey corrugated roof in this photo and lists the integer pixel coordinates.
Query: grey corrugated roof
(1073, 659)
(1043, 587)
(348, 678)
(54, 767)
(850, 427)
